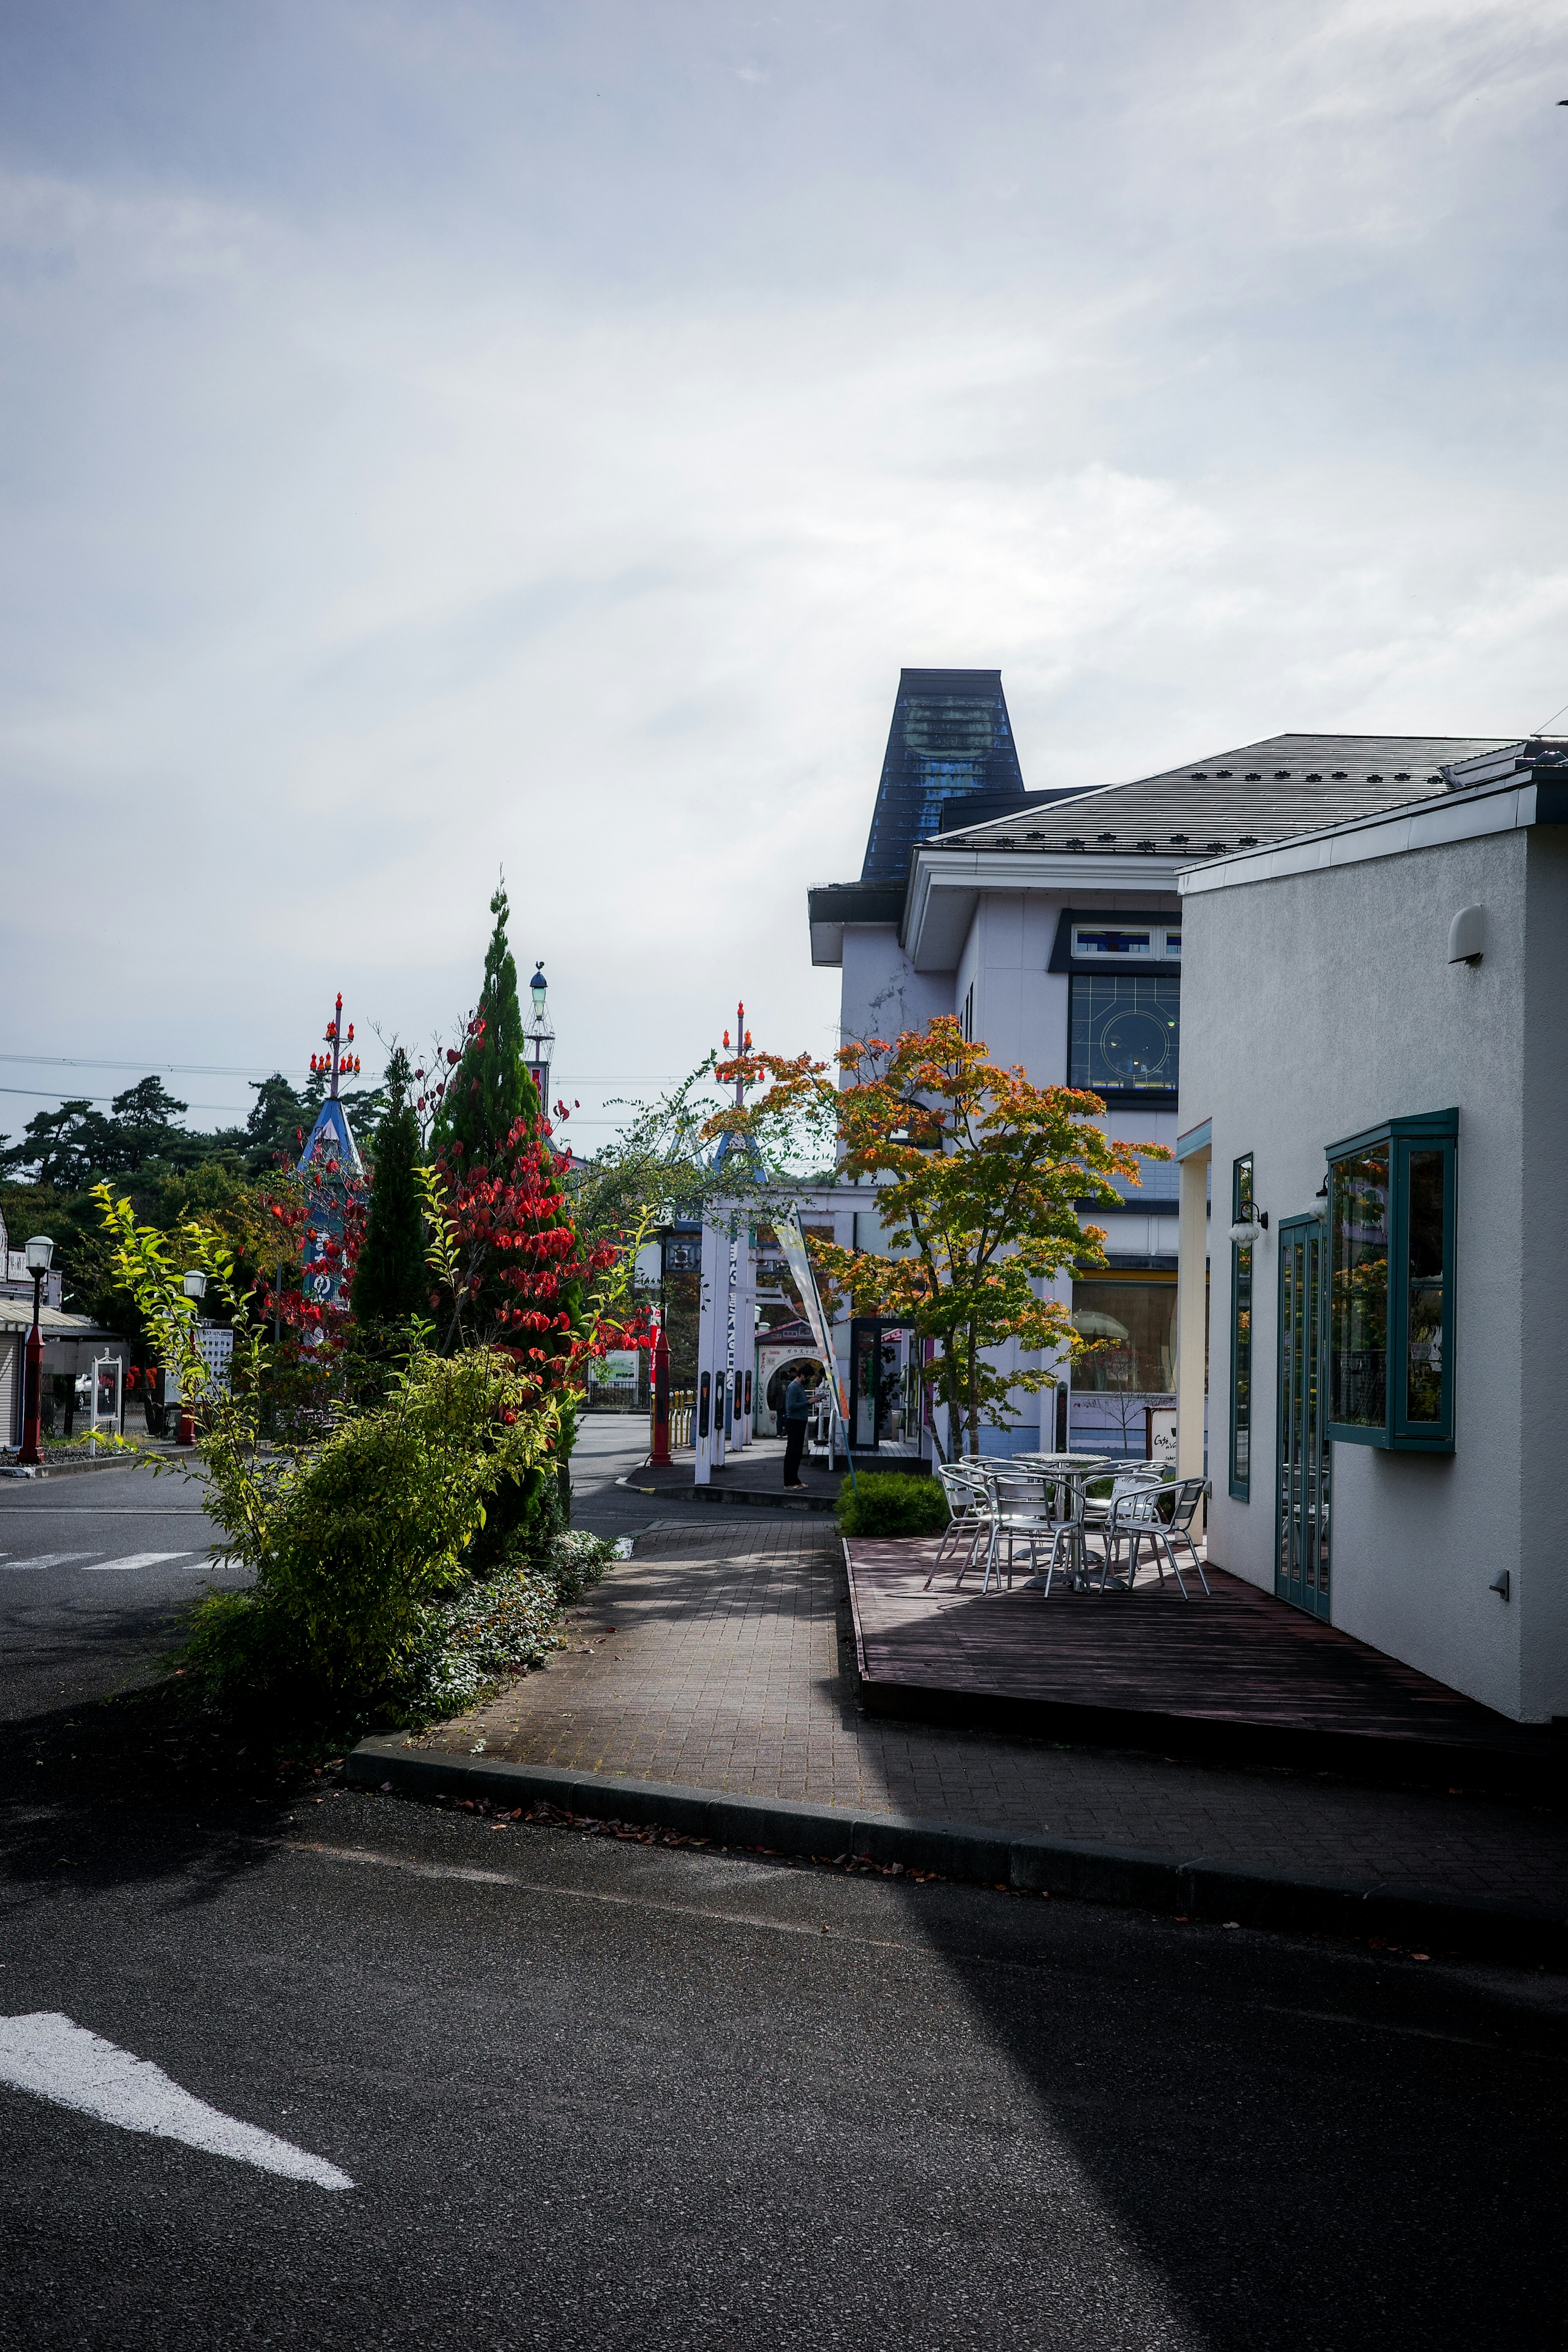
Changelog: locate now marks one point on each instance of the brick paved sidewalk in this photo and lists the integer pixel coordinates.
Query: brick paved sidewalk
(720, 1658)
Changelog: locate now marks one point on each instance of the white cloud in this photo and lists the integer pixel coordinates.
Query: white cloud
(572, 500)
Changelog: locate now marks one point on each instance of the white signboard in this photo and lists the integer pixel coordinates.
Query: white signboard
(214, 1346)
(617, 1368)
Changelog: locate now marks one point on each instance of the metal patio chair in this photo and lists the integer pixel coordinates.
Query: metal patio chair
(968, 1513)
(1159, 1514)
(1024, 1508)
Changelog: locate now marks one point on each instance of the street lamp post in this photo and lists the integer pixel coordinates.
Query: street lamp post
(194, 1286)
(40, 1255)
(540, 1041)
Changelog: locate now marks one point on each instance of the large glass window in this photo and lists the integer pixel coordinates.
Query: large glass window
(1241, 1334)
(1358, 1289)
(1132, 1329)
(1125, 1033)
(1425, 1286)
(1391, 1246)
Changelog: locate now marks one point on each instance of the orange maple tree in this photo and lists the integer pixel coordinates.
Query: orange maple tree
(979, 1177)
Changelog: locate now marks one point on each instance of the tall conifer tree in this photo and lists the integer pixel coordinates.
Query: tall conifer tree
(490, 1089)
(392, 1281)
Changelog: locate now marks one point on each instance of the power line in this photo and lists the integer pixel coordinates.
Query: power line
(33, 1094)
(254, 1070)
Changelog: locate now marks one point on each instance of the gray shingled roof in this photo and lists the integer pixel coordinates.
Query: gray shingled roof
(1262, 792)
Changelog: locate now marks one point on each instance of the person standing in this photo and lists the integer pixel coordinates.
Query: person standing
(797, 1419)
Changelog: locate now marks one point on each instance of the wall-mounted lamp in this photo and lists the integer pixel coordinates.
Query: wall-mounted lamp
(1247, 1229)
(1499, 1583)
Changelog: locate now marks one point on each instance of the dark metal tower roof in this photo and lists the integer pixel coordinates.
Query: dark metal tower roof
(951, 738)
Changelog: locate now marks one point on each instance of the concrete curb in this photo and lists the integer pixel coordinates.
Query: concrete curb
(734, 1498)
(1196, 1889)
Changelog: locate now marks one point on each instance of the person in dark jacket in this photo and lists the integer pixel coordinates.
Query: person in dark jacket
(796, 1420)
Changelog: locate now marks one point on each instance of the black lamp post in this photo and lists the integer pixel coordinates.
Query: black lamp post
(40, 1255)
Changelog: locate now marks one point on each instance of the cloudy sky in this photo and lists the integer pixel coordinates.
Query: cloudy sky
(440, 438)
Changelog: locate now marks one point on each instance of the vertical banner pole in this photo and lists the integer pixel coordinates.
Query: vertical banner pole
(793, 1242)
(707, 1355)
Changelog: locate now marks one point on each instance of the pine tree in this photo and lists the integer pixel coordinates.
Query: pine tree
(489, 1089)
(392, 1281)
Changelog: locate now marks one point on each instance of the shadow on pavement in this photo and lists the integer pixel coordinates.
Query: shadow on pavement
(138, 1787)
(1313, 2145)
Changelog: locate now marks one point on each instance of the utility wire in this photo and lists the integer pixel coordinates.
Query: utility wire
(253, 1070)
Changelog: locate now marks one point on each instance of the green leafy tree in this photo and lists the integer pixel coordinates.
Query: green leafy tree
(488, 1089)
(979, 1176)
(55, 1147)
(391, 1281)
(281, 1118)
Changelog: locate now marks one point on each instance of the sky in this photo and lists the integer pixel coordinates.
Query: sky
(445, 440)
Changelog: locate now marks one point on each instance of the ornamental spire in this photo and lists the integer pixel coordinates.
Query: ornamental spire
(340, 1062)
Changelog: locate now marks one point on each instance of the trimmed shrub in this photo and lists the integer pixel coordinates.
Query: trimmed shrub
(890, 1503)
(361, 1546)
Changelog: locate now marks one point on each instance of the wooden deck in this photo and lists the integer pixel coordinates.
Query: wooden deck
(1239, 1671)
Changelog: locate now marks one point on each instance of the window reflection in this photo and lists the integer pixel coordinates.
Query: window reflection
(1424, 1314)
(1358, 1296)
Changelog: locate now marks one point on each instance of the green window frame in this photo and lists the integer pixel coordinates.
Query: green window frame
(1390, 1222)
(1241, 1200)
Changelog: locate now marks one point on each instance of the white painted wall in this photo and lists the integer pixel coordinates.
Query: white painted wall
(881, 992)
(1321, 1002)
(1021, 1013)
(1541, 1595)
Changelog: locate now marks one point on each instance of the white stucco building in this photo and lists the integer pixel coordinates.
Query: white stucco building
(1374, 1090)
(1052, 924)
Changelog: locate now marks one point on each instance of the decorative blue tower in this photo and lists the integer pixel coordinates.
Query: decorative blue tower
(331, 1164)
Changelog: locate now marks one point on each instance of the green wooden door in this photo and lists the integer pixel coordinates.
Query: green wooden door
(1301, 1549)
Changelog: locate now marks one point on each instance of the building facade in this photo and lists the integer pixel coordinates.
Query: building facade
(1375, 1098)
(1053, 929)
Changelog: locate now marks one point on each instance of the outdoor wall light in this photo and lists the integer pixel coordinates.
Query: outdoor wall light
(1499, 1583)
(196, 1284)
(1468, 935)
(40, 1254)
(1247, 1229)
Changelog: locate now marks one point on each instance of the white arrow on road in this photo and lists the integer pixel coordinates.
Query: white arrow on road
(54, 2058)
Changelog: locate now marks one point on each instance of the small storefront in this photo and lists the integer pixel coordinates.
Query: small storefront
(1122, 1399)
(884, 1386)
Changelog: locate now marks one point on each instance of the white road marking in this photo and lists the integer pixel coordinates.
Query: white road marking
(54, 2058)
(132, 1560)
(594, 1895)
(45, 1559)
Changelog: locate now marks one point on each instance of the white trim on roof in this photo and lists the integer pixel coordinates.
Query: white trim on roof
(1466, 817)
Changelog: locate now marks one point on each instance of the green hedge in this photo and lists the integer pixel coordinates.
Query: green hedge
(890, 1502)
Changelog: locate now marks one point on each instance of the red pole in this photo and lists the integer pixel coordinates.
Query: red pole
(660, 1454)
(32, 1411)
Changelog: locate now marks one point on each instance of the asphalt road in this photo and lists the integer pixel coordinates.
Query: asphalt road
(93, 1570)
(96, 1566)
(593, 2093)
(597, 2094)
